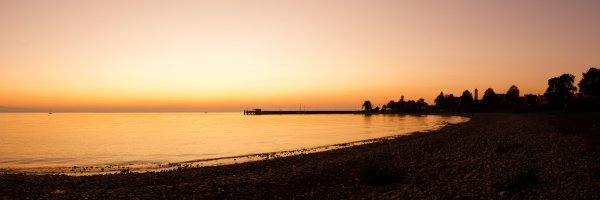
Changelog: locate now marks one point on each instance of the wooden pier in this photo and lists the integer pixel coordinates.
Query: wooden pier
(289, 112)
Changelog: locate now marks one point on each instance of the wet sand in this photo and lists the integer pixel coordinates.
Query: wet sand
(502, 156)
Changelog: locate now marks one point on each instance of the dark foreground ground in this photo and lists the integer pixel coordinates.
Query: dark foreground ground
(495, 156)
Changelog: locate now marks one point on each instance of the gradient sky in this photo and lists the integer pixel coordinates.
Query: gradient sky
(145, 55)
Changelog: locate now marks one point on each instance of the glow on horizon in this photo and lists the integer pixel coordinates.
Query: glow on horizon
(232, 55)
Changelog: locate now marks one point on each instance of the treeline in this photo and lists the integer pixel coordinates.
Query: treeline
(400, 106)
(560, 94)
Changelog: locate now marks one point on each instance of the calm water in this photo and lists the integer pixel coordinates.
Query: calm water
(67, 139)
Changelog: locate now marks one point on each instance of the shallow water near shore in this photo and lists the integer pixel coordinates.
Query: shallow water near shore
(108, 142)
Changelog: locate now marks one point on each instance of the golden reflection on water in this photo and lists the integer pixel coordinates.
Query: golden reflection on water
(67, 139)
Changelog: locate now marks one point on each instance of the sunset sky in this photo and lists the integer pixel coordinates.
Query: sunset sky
(174, 55)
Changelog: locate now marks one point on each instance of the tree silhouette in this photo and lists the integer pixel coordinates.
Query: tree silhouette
(421, 103)
(440, 100)
(451, 102)
(490, 98)
(560, 90)
(590, 83)
(532, 101)
(512, 95)
(466, 99)
(367, 106)
(393, 106)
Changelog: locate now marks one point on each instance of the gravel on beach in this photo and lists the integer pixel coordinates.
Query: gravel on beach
(493, 156)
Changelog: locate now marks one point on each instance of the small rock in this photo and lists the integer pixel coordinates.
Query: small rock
(501, 194)
(57, 191)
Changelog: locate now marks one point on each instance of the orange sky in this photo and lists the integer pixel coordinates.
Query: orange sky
(134, 55)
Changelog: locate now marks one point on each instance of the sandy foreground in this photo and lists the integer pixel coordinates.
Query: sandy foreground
(494, 156)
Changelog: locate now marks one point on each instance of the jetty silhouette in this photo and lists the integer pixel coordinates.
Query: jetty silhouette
(283, 112)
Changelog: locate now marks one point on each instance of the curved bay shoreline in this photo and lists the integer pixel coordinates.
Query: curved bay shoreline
(156, 166)
(491, 156)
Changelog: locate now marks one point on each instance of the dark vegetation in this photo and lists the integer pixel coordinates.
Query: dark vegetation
(560, 94)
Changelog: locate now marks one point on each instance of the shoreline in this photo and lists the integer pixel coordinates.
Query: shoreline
(108, 169)
(493, 156)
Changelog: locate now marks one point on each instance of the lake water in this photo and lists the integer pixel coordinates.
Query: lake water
(67, 139)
